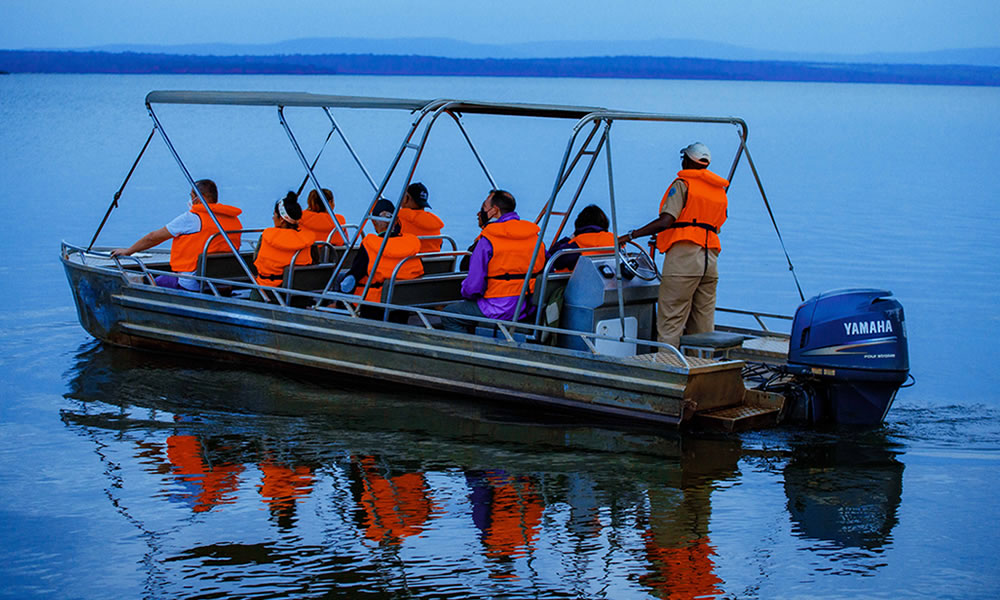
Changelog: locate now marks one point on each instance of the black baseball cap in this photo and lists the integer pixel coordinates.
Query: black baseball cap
(418, 192)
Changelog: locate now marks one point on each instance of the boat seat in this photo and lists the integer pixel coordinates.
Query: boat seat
(435, 265)
(224, 265)
(425, 291)
(711, 344)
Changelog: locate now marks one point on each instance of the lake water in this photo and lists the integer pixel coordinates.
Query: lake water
(131, 474)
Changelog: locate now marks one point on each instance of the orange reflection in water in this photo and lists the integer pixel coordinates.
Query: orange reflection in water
(507, 511)
(214, 484)
(681, 572)
(281, 487)
(394, 507)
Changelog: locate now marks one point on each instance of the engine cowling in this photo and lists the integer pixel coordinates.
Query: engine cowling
(851, 345)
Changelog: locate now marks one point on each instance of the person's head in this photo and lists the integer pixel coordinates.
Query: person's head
(415, 197)
(208, 190)
(315, 204)
(497, 204)
(287, 212)
(381, 214)
(592, 216)
(695, 156)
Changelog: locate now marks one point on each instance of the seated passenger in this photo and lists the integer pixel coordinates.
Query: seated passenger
(189, 231)
(590, 231)
(317, 222)
(398, 247)
(413, 218)
(500, 260)
(279, 244)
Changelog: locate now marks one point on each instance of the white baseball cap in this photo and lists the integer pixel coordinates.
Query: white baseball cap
(698, 152)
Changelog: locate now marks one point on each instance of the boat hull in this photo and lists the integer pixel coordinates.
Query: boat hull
(133, 314)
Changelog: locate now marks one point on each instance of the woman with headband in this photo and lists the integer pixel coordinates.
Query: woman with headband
(279, 244)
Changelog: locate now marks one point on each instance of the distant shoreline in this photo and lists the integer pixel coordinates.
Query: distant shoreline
(623, 67)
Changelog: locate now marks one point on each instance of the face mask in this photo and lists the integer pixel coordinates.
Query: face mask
(190, 203)
(484, 218)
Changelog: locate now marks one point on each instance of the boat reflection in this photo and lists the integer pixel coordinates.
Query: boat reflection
(359, 479)
(845, 490)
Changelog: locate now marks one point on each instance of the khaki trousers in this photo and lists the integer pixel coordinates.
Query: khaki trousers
(686, 304)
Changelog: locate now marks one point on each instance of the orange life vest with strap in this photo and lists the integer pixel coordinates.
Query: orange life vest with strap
(185, 249)
(703, 213)
(421, 222)
(277, 246)
(593, 239)
(319, 225)
(397, 248)
(513, 242)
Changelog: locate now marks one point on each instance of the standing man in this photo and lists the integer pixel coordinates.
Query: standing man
(189, 231)
(691, 213)
(414, 218)
(500, 260)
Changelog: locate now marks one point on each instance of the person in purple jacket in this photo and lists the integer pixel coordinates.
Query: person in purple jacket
(498, 265)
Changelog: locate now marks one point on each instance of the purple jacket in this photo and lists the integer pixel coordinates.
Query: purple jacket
(475, 282)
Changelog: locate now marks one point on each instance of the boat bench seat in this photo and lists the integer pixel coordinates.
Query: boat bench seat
(429, 290)
(224, 266)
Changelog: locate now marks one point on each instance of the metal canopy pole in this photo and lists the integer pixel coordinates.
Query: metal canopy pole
(350, 148)
(760, 186)
(309, 172)
(405, 145)
(614, 228)
(173, 151)
(118, 194)
(561, 177)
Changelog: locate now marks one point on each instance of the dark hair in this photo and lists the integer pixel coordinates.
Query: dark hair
(591, 216)
(291, 203)
(208, 190)
(689, 163)
(314, 202)
(503, 200)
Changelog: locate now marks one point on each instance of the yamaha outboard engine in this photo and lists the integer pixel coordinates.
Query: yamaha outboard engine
(849, 346)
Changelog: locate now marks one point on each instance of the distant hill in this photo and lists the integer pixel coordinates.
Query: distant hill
(449, 48)
(19, 61)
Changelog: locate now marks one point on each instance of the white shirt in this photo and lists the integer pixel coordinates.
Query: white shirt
(183, 224)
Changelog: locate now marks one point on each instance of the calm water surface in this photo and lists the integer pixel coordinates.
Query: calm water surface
(130, 474)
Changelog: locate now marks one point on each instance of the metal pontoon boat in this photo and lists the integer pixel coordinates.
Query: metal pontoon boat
(843, 360)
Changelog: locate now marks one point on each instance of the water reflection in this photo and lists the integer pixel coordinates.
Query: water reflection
(390, 492)
(845, 490)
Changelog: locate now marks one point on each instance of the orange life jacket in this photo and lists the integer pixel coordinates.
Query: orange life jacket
(319, 225)
(703, 213)
(593, 239)
(421, 222)
(397, 248)
(277, 246)
(513, 242)
(185, 249)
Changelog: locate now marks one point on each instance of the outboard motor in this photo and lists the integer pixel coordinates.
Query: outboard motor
(850, 347)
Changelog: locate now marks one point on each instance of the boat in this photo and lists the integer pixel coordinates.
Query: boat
(841, 358)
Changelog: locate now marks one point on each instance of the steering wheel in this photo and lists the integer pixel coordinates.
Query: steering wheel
(638, 264)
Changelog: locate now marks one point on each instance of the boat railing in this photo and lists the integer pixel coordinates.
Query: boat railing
(347, 304)
(550, 265)
(443, 238)
(759, 317)
(458, 255)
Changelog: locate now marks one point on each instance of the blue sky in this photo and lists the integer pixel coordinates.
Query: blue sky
(844, 26)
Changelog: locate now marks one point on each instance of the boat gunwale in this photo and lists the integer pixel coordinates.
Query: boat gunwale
(113, 272)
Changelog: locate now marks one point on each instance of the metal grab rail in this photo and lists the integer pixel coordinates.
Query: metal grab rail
(390, 283)
(550, 265)
(758, 316)
(442, 237)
